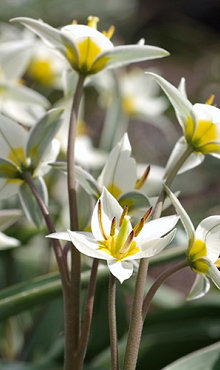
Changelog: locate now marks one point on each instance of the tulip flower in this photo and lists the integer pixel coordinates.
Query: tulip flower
(87, 50)
(203, 249)
(113, 239)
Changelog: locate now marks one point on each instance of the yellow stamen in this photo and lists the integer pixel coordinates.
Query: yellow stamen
(210, 100)
(100, 220)
(92, 21)
(217, 263)
(110, 32)
(127, 243)
(137, 229)
(143, 179)
(74, 22)
(124, 213)
(113, 227)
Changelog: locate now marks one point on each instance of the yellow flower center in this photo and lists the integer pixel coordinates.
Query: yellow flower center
(114, 190)
(203, 137)
(41, 71)
(128, 105)
(17, 156)
(195, 254)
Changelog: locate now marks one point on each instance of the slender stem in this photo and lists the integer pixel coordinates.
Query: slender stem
(112, 322)
(71, 154)
(167, 273)
(136, 323)
(87, 316)
(158, 208)
(74, 298)
(61, 261)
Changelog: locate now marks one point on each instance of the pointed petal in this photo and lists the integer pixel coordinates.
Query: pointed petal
(121, 270)
(6, 242)
(50, 35)
(8, 217)
(200, 287)
(182, 87)
(119, 173)
(110, 209)
(87, 245)
(11, 136)
(8, 189)
(42, 134)
(49, 156)
(29, 203)
(154, 246)
(157, 228)
(8, 170)
(124, 55)
(182, 106)
(63, 235)
(187, 223)
(195, 159)
(208, 231)
(135, 200)
(214, 274)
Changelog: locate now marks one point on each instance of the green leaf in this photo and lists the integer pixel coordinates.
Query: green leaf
(42, 134)
(38, 291)
(29, 203)
(205, 359)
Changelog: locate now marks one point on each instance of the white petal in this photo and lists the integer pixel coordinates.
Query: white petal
(151, 247)
(7, 189)
(214, 274)
(187, 223)
(208, 231)
(7, 242)
(192, 161)
(182, 106)
(200, 287)
(157, 228)
(11, 136)
(121, 270)
(80, 32)
(87, 245)
(207, 112)
(8, 217)
(61, 236)
(120, 168)
(110, 209)
(123, 55)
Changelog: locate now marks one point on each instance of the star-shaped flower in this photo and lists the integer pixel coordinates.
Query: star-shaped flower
(203, 249)
(200, 124)
(87, 50)
(113, 239)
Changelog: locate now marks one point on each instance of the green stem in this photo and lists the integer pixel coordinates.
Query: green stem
(167, 273)
(73, 305)
(136, 322)
(87, 316)
(61, 261)
(112, 322)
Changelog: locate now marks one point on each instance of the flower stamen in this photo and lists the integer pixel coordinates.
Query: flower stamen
(139, 226)
(143, 179)
(100, 220)
(210, 100)
(93, 21)
(127, 243)
(124, 213)
(113, 227)
(110, 32)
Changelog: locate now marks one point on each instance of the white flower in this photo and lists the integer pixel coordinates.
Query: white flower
(203, 249)
(113, 239)
(87, 50)
(200, 124)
